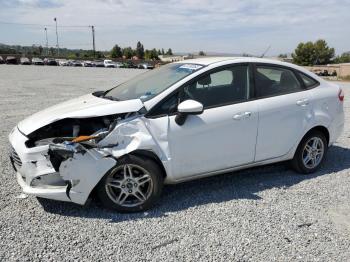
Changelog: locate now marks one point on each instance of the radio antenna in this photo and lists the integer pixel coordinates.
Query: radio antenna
(267, 49)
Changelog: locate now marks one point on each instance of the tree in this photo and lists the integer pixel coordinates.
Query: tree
(283, 56)
(304, 54)
(151, 54)
(154, 54)
(169, 52)
(140, 53)
(116, 52)
(201, 53)
(52, 51)
(159, 52)
(128, 52)
(324, 53)
(163, 53)
(72, 56)
(40, 50)
(343, 58)
(99, 54)
(147, 54)
(308, 54)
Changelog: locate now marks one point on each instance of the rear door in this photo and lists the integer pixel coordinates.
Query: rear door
(284, 110)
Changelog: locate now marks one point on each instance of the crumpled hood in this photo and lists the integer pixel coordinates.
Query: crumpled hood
(81, 107)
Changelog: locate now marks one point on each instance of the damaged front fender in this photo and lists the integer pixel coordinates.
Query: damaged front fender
(83, 164)
(82, 167)
(127, 137)
(138, 134)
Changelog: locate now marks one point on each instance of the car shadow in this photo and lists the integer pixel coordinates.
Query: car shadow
(238, 185)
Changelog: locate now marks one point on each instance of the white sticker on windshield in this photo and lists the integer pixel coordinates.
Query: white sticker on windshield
(192, 67)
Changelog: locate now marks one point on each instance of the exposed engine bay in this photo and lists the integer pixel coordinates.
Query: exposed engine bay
(68, 129)
(67, 137)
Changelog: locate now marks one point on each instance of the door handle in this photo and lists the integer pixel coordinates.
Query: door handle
(243, 115)
(303, 102)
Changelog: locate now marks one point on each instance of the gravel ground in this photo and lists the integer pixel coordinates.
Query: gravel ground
(260, 214)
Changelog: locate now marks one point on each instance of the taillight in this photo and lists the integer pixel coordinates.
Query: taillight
(341, 95)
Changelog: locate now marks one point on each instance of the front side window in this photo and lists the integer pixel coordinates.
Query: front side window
(166, 107)
(226, 86)
(271, 81)
(147, 85)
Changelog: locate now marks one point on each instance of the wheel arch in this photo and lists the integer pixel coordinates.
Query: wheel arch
(321, 128)
(140, 153)
(324, 130)
(151, 155)
(298, 152)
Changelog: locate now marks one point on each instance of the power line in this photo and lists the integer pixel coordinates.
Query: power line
(43, 25)
(55, 26)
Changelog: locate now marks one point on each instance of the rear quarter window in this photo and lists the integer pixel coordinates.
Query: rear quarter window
(308, 81)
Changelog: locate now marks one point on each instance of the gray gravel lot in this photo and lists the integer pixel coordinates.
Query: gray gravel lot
(261, 214)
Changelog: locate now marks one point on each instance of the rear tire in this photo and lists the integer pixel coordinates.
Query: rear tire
(310, 153)
(133, 185)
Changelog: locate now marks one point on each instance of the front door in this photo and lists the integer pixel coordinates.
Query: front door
(224, 135)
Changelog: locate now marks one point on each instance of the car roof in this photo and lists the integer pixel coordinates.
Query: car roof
(212, 60)
(209, 63)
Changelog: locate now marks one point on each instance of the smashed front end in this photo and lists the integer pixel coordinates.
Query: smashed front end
(65, 159)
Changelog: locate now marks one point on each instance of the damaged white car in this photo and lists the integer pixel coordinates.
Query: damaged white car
(184, 121)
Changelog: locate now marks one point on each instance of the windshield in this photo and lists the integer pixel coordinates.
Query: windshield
(151, 83)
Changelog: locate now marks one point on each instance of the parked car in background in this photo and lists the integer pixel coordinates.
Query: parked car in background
(129, 64)
(182, 121)
(24, 61)
(98, 63)
(1, 60)
(76, 63)
(11, 60)
(118, 65)
(109, 63)
(145, 66)
(87, 63)
(37, 61)
(50, 62)
(62, 62)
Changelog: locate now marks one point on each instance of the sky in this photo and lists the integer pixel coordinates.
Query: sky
(225, 26)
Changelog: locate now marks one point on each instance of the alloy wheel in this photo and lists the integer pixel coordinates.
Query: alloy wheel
(129, 185)
(313, 152)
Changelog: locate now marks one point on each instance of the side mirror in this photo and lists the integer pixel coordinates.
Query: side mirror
(188, 107)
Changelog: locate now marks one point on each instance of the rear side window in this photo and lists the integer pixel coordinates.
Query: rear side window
(271, 81)
(308, 81)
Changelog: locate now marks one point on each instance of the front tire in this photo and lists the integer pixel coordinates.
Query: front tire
(133, 185)
(310, 153)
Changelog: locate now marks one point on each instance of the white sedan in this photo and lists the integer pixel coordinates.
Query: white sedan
(109, 63)
(183, 121)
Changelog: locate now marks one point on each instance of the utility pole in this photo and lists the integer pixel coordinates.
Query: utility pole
(93, 39)
(47, 42)
(58, 48)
